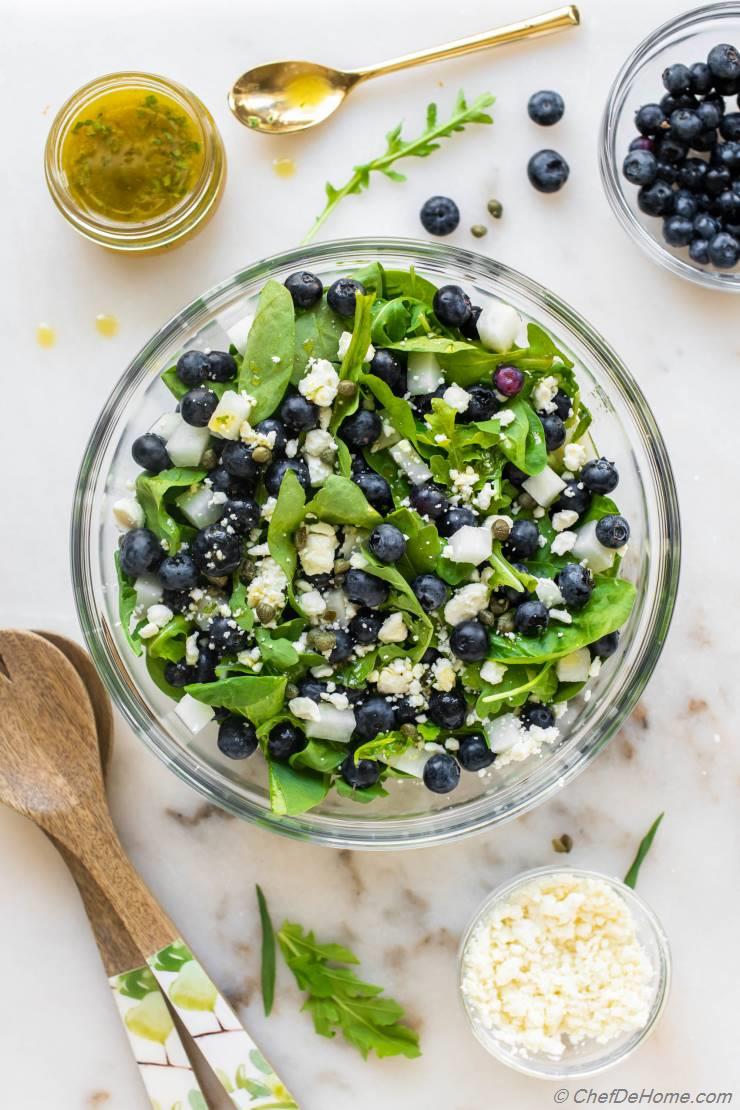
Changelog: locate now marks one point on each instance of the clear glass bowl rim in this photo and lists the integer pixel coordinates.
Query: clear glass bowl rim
(526, 1065)
(610, 159)
(477, 814)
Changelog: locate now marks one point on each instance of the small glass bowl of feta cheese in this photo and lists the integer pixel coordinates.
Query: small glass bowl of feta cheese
(563, 972)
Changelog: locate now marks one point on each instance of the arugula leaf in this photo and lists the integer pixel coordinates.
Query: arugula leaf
(398, 283)
(396, 148)
(341, 501)
(630, 879)
(353, 360)
(523, 440)
(608, 608)
(389, 744)
(127, 602)
(339, 1001)
(423, 544)
(169, 643)
(293, 790)
(268, 359)
(151, 491)
(257, 697)
(396, 409)
(286, 516)
(405, 599)
(268, 953)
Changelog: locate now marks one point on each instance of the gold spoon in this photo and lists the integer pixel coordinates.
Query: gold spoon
(281, 97)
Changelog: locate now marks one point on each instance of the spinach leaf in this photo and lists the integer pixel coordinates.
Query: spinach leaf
(277, 652)
(268, 359)
(365, 795)
(294, 791)
(352, 362)
(257, 697)
(464, 362)
(286, 516)
(404, 598)
(600, 506)
(408, 283)
(630, 879)
(317, 333)
(523, 440)
(397, 411)
(169, 643)
(178, 388)
(340, 501)
(267, 976)
(240, 608)
(319, 755)
(156, 668)
(609, 607)
(126, 604)
(372, 277)
(151, 491)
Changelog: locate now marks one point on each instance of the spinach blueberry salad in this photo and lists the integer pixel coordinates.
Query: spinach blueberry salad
(374, 540)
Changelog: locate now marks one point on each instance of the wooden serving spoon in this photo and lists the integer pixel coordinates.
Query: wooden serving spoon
(50, 771)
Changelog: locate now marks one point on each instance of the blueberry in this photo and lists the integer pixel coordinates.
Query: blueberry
(667, 174)
(389, 367)
(312, 688)
(685, 125)
(730, 126)
(387, 543)
(216, 551)
(547, 171)
(179, 674)
(361, 774)
(724, 61)
(236, 459)
(470, 327)
(342, 295)
(177, 600)
(422, 402)
(285, 740)
(699, 251)
(376, 489)
(447, 708)
(728, 204)
(545, 107)
(431, 591)
(715, 97)
(374, 716)
(481, 406)
(709, 114)
(677, 78)
(523, 541)
(439, 215)
(222, 482)
(724, 250)
(514, 475)
(728, 155)
(224, 636)
(514, 597)
(727, 86)
(192, 368)
(268, 427)
(469, 641)
(298, 414)
(455, 518)
(276, 472)
(241, 514)
(508, 380)
(221, 366)
(139, 551)
(205, 667)
(178, 572)
(343, 645)
(678, 231)
(535, 714)
(531, 618)
(563, 404)
(198, 405)
(600, 476)
(150, 452)
(429, 500)
(701, 79)
(575, 584)
(305, 288)
(361, 429)
(237, 738)
(640, 167)
(656, 199)
(686, 204)
(650, 119)
(431, 655)
(554, 430)
(612, 530)
(365, 626)
(575, 496)
(640, 142)
(452, 306)
(717, 179)
(691, 174)
(605, 646)
(441, 773)
(365, 589)
(406, 713)
(474, 753)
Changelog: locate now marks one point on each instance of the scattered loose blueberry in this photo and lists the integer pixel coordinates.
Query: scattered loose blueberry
(724, 250)
(224, 636)
(699, 251)
(342, 295)
(545, 107)
(474, 753)
(656, 199)
(237, 738)
(563, 404)
(441, 773)
(268, 427)
(678, 231)
(387, 543)
(701, 78)
(685, 125)
(724, 61)
(241, 514)
(305, 288)
(547, 171)
(439, 215)
(343, 645)
(150, 452)
(677, 78)
(470, 328)
(575, 497)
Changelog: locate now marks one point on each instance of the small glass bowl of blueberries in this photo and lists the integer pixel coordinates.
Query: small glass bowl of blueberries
(670, 146)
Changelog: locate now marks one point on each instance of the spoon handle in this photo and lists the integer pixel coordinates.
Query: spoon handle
(557, 20)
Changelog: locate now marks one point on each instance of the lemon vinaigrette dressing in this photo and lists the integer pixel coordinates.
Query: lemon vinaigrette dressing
(46, 336)
(284, 167)
(106, 325)
(307, 91)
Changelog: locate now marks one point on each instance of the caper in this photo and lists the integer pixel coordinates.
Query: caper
(330, 615)
(327, 456)
(495, 208)
(265, 612)
(300, 539)
(321, 639)
(346, 389)
(209, 460)
(291, 691)
(341, 566)
(262, 454)
(506, 622)
(487, 618)
(409, 731)
(562, 843)
(478, 230)
(498, 604)
(500, 529)
(217, 579)
(526, 501)
(247, 570)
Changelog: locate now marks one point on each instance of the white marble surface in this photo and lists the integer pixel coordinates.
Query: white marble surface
(61, 1044)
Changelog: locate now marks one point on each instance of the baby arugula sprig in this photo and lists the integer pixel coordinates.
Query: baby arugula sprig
(337, 999)
(398, 147)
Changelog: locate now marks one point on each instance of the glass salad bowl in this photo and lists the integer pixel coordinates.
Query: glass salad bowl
(623, 429)
(688, 38)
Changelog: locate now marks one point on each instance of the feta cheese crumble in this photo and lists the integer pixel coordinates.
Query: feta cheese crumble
(319, 385)
(393, 630)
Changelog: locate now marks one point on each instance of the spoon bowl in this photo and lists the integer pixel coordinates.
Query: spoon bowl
(281, 97)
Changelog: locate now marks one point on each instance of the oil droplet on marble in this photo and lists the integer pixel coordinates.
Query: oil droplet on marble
(106, 325)
(46, 336)
(284, 167)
